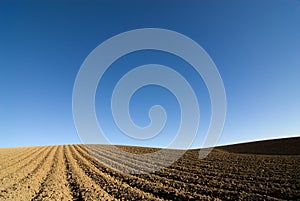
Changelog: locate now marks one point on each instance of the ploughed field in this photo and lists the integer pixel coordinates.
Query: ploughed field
(72, 172)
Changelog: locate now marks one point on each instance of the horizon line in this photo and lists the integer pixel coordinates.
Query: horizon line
(192, 148)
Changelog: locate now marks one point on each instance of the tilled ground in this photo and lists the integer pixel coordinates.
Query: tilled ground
(77, 172)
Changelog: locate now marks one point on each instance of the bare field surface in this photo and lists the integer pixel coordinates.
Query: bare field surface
(72, 172)
(285, 146)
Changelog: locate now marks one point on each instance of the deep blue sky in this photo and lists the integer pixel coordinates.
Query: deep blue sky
(254, 44)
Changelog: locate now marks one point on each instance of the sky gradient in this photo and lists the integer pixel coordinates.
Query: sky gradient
(254, 44)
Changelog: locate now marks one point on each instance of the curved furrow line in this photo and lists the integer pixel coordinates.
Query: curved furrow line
(212, 167)
(211, 186)
(140, 160)
(210, 171)
(125, 161)
(38, 162)
(171, 174)
(135, 163)
(206, 178)
(9, 176)
(216, 160)
(198, 184)
(109, 182)
(231, 176)
(89, 173)
(111, 161)
(19, 158)
(215, 180)
(148, 162)
(170, 182)
(142, 181)
(193, 181)
(192, 178)
(49, 173)
(54, 186)
(234, 169)
(27, 186)
(132, 161)
(74, 184)
(17, 166)
(82, 187)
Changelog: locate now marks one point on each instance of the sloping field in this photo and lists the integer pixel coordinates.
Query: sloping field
(285, 146)
(72, 173)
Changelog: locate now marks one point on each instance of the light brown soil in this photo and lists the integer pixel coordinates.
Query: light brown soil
(71, 172)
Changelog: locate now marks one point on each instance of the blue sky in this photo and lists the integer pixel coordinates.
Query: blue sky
(254, 44)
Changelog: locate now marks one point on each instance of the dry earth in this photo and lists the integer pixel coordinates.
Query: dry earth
(252, 171)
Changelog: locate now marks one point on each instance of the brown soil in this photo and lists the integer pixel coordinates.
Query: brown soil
(254, 171)
(285, 146)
